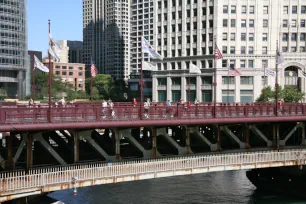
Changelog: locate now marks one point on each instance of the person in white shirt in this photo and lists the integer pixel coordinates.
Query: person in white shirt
(104, 106)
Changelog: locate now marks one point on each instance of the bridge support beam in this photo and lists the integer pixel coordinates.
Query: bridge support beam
(227, 131)
(247, 136)
(154, 143)
(196, 131)
(258, 133)
(163, 132)
(10, 164)
(218, 131)
(76, 146)
(188, 149)
(50, 149)
(87, 136)
(303, 134)
(20, 148)
(29, 151)
(146, 153)
(117, 143)
(284, 141)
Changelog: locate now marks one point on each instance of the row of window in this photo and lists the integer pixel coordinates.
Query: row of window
(244, 23)
(69, 73)
(65, 67)
(251, 9)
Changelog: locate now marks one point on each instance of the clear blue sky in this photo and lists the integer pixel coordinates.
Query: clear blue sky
(66, 22)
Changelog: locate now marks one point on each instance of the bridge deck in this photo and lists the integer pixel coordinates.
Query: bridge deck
(126, 115)
(52, 179)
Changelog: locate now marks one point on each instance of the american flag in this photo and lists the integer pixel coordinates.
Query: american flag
(93, 69)
(234, 71)
(218, 54)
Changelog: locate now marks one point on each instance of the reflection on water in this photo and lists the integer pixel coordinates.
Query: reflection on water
(222, 187)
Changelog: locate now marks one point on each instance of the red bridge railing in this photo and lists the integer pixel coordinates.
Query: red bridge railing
(84, 112)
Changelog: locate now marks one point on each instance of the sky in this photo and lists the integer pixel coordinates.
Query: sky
(66, 22)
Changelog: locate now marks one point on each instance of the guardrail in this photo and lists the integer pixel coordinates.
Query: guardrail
(121, 112)
(42, 178)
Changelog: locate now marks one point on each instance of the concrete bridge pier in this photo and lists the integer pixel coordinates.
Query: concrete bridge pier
(76, 145)
(10, 163)
(29, 139)
(117, 143)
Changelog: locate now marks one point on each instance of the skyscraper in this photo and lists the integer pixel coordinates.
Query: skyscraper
(13, 47)
(106, 36)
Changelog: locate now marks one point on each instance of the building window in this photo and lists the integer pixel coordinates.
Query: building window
(70, 73)
(232, 50)
(242, 50)
(233, 23)
(264, 63)
(251, 50)
(243, 23)
(265, 23)
(246, 96)
(251, 63)
(285, 10)
(233, 37)
(243, 10)
(303, 9)
(293, 36)
(251, 36)
(224, 49)
(293, 23)
(162, 96)
(293, 49)
(233, 9)
(162, 81)
(243, 36)
(265, 10)
(176, 95)
(303, 23)
(302, 49)
(251, 23)
(248, 80)
(64, 73)
(57, 72)
(225, 23)
(228, 80)
(302, 37)
(264, 50)
(207, 81)
(252, 9)
(224, 36)
(285, 36)
(225, 9)
(64, 67)
(265, 36)
(285, 23)
(207, 96)
(285, 49)
(224, 63)
(80, 68)
(80, 73)
(228, 96)
(242, 63)
(57, 67)
(294, 9)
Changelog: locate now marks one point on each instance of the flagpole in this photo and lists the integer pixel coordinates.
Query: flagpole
(50, 75)
(215, 80)
(141, 79)
(91, 88)
(276, 80)
(189, 86)
(33, 82)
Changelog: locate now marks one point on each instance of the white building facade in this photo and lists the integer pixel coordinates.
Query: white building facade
(246, 32)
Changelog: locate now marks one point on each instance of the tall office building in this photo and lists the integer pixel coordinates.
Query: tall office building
(71, 51)
(13, 47)
(246, 32)
(106, 36)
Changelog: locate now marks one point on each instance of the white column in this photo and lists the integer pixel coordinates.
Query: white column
(219, 89)
(169, 92)
(154, 89)
(198, 88)
(237, 89)
(183, 88)
(257, 89)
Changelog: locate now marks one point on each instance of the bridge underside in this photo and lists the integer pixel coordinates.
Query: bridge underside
(28, 149)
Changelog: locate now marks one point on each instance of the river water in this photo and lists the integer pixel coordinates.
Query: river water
(221, 187)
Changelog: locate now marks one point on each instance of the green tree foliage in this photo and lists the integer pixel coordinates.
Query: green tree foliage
(59, 88)
(289, 94)
(3, 93)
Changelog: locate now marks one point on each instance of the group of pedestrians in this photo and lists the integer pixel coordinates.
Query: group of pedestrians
(105, 105)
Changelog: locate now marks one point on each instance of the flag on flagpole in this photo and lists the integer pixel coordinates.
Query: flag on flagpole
(218, 54)
(38, 64)
(147, 66)
(194, 69)
(147, 48)
(301, 73)
(269, 72)
(93, 69)
(234, 71)
(279, 57)
(54, 49)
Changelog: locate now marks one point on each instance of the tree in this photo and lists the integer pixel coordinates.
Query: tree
(289, 94)
(3, 93)
(104, 83)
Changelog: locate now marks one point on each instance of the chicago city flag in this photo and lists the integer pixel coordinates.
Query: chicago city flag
(39, 65)
(147, 48)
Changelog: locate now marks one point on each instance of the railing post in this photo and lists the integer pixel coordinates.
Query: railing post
(2, 116)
